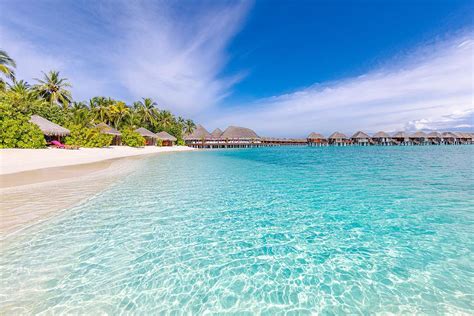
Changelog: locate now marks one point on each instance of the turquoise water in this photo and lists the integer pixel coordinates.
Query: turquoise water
(269, 230)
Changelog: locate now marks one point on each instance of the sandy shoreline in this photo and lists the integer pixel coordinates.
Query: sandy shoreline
(20, 160)
(47, 181)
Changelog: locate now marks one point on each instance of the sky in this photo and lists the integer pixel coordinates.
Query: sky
(283, 68)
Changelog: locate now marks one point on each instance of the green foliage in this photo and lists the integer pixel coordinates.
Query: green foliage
(180, 142)
(52, 99)
(132, 138)
(159, 142)
(16, 131)
(87, 137)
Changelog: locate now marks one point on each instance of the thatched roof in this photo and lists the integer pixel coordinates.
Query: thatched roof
(381, 134)
(434, 135)
(449, 135)
(145, 133)
(106, 129)
(165, 136)
(235, 132)
(314, 135)
(400, 135)
(418, 134)
(360, 135)
(337, 135)
(49, 128)
(198, 133)
(216, 133)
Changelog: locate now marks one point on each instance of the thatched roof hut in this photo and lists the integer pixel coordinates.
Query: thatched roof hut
(165, 136)
(106, 129)
(198, 133)
(449, 135)
(145, 133)
(216, 133)
(49, 128)
(381, 134)
(314, 135)
(360, 135)
(235, 132)
(337, 135)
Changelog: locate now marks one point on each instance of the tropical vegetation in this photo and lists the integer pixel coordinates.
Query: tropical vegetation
(51, 98)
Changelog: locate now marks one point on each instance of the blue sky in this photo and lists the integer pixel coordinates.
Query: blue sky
(284, 68)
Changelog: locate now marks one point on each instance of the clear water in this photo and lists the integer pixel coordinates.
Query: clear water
(270, 231)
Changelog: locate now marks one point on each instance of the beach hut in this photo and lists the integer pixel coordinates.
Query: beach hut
(382, 138)
(316, 139)
(361, 139)
(338, 139)
(216, 133)
(419, 138)
(50, 130)
(150, 137)
(401, 138)
(435, 138)
(463, 138)
(166, 139)
(106, 129)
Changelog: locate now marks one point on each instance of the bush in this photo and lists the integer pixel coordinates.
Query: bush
(16, 131)
(88, 137)
(159, 142)
(180, 142)
(132, 138)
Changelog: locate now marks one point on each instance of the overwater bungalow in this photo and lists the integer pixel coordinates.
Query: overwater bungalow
(435, 138)
(150, 137)
(419, 138)
(51, 131)
(106, 129)
(278, 141)
(216, 133)
(316, 139)
(198, 138)
(450, 138)
(236, 136)
(463, 138)
(166, 139)
(401, 138)
(381, 138)
(361, 139)
(338, 139)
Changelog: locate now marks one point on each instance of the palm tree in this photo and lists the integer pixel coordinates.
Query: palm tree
(100, 107)
(189, 126)
(118, 112)
(53, 89)
(147, 110)
(80, 114)
(21, 87)
(166, 120)
(6, 67)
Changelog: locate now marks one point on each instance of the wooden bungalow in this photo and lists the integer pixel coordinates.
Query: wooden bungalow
(450, 138)
(401, 138)
(435, 138)
(361, 139)
(50, 130)
(166, 139)
(150, 137)
(235, 137)
(198, 138)
(463, 138)
(278, 141)
(419, 138)
(381, 138)
(106, 129)
(338, 139)
(316, 139)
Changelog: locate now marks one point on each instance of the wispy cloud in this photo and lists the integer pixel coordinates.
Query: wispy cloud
(172, 52)
(432, 88)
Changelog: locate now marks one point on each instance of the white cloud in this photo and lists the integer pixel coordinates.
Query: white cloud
(178, 60)
(432, 88)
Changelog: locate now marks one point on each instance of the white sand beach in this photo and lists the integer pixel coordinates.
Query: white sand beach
(19, 160)
(29, 178)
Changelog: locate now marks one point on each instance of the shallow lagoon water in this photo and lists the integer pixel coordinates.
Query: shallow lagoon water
(260, 231)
